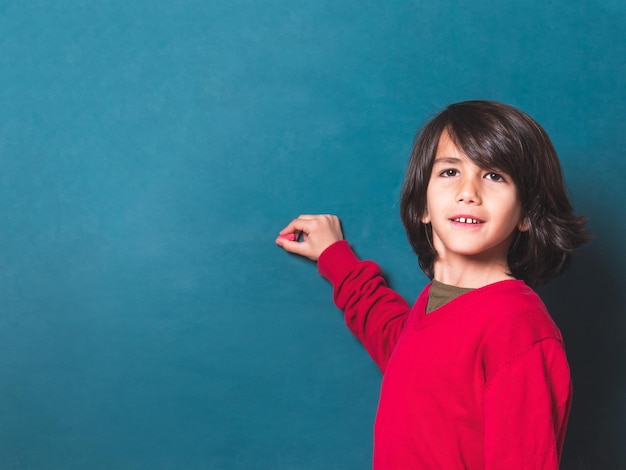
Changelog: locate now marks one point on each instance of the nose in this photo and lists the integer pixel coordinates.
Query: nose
(469, 190)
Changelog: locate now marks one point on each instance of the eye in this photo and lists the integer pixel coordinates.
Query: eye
(495, 176)
(448, 173)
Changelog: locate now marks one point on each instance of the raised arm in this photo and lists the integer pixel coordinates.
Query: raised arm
(373, 312)
(317, 232)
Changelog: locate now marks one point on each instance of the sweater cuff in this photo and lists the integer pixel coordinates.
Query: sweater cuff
(337, 261)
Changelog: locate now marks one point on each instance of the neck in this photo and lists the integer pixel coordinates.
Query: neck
(470, 273)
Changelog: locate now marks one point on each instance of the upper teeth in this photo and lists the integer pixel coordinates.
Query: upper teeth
(466, 221)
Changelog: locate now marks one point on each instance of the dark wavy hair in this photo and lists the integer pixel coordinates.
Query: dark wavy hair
(498, 136)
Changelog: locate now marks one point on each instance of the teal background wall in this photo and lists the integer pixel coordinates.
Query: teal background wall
(151, 150)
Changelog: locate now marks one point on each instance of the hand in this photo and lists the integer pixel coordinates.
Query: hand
(318, 232)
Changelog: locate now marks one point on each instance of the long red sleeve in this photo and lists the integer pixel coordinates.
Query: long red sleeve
(373, 312)
(480, 383)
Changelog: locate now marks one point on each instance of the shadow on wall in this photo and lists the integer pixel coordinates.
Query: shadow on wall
(587, 303)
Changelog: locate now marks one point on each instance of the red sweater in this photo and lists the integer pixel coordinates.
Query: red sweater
(480, 383)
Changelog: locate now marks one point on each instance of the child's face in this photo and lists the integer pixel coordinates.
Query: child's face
(474, 212)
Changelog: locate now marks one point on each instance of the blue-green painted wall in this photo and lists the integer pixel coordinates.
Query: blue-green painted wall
(151, 150)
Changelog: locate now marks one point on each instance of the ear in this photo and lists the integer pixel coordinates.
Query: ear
(426, 217)
(524, 225)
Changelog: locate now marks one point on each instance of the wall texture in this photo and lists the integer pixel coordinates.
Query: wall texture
(151, 150)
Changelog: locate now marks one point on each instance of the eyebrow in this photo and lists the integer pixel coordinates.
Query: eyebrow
(447, 160)
(458, 161)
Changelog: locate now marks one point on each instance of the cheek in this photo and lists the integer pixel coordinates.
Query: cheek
(523, 224)
(518, 219)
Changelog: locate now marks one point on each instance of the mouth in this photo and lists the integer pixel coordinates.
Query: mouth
(466, 220)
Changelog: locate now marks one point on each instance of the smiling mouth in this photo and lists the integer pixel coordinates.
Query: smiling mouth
(466, 220)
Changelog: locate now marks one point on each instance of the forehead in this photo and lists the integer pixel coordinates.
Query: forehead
(449, 152)
(447, 149)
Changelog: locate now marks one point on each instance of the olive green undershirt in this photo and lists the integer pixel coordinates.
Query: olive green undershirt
(440, 294)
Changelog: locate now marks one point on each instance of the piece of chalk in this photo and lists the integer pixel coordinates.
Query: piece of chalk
(289, 236)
